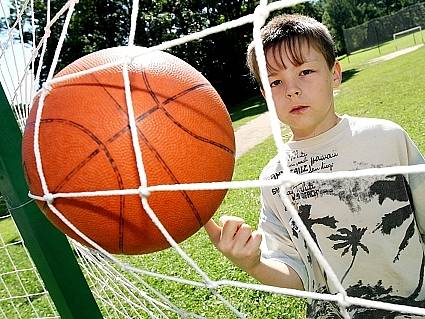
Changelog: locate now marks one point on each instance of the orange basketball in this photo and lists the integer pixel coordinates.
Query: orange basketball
(185, 136)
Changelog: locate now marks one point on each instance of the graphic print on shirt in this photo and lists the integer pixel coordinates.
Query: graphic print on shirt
(351, 238)
(304, 213)
(384, 294)
(395, 187)
(329, 310)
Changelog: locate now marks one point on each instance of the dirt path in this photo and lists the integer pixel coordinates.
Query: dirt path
(395, 54)
(252, 133)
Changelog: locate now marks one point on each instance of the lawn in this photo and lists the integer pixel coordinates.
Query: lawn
(393, 90)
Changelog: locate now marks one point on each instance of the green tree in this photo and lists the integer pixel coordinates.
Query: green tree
(339, 14)
(342, 14)
(99, 24)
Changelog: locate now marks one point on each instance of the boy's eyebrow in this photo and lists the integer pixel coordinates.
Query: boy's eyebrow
(310, 59)
(269, 74)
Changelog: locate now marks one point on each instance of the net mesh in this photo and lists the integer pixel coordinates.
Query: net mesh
(380, 30)
(126, 287)
(22, 292)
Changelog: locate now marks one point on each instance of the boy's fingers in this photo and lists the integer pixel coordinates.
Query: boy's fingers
(231, 219)
(255, 240)
(242, 236)
(213, 230)
(230, 227)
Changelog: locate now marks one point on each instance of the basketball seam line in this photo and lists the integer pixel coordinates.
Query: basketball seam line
(175, 98)
(148, 144)
(75, 170)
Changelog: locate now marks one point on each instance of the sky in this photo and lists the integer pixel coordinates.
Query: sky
(13, 56)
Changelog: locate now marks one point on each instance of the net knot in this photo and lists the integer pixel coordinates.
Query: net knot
(285, 181)
(143, 192)
(342, 301)
(47, 32)
(47, 87)
(49, 198)
(211, 284)
(128, 59)
(261, 13)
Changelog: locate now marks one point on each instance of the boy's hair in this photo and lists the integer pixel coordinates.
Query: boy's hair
(287, 32)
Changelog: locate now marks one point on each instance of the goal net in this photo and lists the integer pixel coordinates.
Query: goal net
(378, 31)
(179, 282)
(407, 32)
(415, 33)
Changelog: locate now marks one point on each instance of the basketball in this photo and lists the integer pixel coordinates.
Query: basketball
(185, 136)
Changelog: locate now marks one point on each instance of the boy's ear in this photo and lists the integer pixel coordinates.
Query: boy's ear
(337, 74)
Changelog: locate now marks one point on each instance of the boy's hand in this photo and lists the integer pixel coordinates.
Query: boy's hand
(235, 240)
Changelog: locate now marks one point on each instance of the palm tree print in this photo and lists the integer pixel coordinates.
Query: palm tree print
(383, 294)
(349, 240)
(304, 213)
(398, 189)
(328, 221)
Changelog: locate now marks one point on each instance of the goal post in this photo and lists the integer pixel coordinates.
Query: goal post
(49, 249)
(410, 31)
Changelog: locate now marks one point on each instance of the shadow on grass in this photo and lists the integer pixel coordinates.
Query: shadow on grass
(15, 241)
(348, 74)
(253, 106)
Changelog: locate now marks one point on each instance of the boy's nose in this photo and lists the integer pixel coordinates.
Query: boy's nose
(294, 92)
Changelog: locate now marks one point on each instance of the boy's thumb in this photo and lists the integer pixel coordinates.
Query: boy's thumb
(213, 230)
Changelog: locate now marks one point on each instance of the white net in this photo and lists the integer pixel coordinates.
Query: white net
(22, 293)
(135, 287)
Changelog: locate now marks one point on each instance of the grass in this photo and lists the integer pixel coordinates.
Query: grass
(247, 111)
(393, 90)
(18, 279)
(360, 58)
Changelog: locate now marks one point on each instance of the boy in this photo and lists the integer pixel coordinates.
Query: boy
(369, 229)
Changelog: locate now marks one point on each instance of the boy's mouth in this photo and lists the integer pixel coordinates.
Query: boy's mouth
(298, 108)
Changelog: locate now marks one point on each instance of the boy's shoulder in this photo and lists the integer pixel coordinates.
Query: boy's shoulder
(360, 125)
(361, 129)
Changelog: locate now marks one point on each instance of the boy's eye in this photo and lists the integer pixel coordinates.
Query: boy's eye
(306, 72)
(275, 83)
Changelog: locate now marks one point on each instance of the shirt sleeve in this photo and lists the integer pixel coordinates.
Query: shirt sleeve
(277, 244)
(417, 184)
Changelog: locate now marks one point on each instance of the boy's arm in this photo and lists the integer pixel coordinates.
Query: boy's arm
(235, 240)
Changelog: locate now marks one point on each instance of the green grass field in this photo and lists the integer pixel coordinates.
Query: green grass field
(360, 58)
(392, 89)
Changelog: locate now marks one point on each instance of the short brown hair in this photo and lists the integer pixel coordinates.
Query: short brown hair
(292, 30)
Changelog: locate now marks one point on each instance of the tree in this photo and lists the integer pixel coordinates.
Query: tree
(339, 14)
(349, 240)
(95, 25)
(342, 14)
(99, 24)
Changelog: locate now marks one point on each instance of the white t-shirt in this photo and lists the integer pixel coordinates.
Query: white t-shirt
(369, 229)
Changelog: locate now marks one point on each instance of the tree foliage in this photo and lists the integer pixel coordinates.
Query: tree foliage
(340, 14)
(99, 24)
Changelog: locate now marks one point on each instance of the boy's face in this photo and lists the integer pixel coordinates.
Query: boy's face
(303, 94)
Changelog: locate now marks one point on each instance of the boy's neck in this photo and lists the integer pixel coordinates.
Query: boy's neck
(332, 121)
